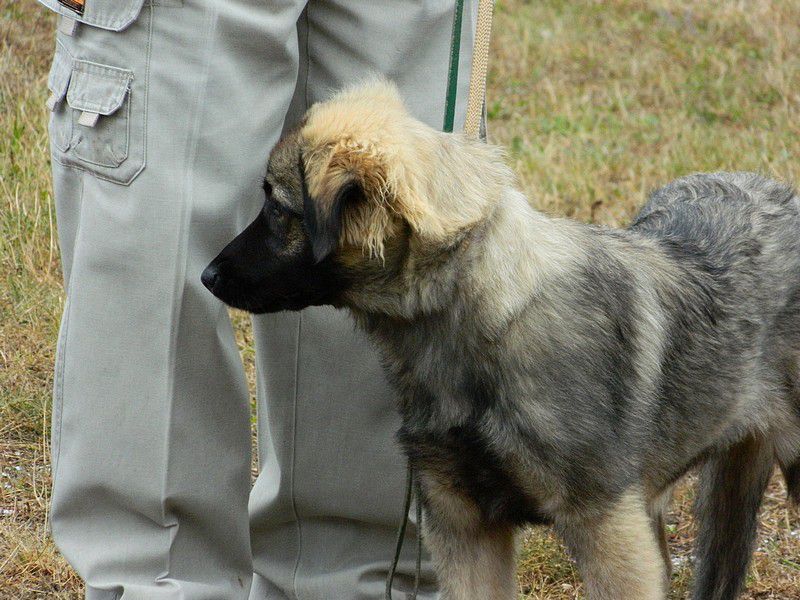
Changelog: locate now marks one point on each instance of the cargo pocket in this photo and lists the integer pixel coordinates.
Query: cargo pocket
(91, 124)
(99, 96)
(98, 91)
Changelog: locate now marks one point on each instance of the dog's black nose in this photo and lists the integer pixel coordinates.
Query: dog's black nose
(210, 276)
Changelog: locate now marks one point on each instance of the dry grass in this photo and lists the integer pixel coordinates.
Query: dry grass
(30, 300)
(600, 101)
(596, 101)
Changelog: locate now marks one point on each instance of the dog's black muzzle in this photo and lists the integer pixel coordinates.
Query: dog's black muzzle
(254, 274)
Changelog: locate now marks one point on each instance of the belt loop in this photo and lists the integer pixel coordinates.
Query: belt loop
(52, 101)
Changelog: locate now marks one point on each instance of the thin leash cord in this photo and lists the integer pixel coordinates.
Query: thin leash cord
(472, 127)
(418, 568)
(401, 534)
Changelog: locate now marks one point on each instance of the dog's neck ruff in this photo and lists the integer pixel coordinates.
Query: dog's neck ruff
(498, 263)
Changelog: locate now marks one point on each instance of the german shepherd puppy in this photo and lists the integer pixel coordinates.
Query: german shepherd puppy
(549, 371)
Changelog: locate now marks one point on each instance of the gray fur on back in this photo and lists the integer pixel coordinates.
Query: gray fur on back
(735, 309)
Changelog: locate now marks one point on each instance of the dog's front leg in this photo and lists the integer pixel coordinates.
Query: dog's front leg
(617, 552)
(473, 561)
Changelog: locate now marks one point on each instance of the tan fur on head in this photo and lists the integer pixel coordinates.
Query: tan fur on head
(359, 136)
(365, 135)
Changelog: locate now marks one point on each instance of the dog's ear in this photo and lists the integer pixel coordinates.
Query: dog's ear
(345, 194)
(323, 220)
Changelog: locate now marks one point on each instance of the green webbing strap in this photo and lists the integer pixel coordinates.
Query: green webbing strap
(452, 73)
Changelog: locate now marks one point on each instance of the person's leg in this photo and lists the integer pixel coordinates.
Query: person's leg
(326, 507)
(159, 134)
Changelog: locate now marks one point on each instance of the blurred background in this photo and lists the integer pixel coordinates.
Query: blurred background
(597, 102)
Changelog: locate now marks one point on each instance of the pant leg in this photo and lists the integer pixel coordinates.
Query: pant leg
(151, 419)
(326, 506)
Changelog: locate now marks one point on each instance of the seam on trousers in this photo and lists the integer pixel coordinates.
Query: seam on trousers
(297, 356)
(308, 58)
(294, 447)
(58, 396)
(182, 254)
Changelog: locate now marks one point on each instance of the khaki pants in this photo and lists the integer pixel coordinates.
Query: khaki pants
(163, 114)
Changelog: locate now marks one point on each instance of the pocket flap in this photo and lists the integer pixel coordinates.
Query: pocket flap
(60, 73)
(115, 15)
(97, 88)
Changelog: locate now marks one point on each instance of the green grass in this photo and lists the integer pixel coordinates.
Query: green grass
(596, 102)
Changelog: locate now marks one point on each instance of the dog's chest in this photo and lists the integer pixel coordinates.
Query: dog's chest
(462, 463)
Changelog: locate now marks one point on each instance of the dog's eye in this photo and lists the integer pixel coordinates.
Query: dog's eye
(267, 188)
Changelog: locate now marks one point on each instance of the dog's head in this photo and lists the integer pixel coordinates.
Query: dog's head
(350, 195)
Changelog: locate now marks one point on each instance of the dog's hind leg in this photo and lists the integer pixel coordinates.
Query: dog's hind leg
(787, 441)
(792, 474)
(787, 452)
(732, 484)
(617, 553)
